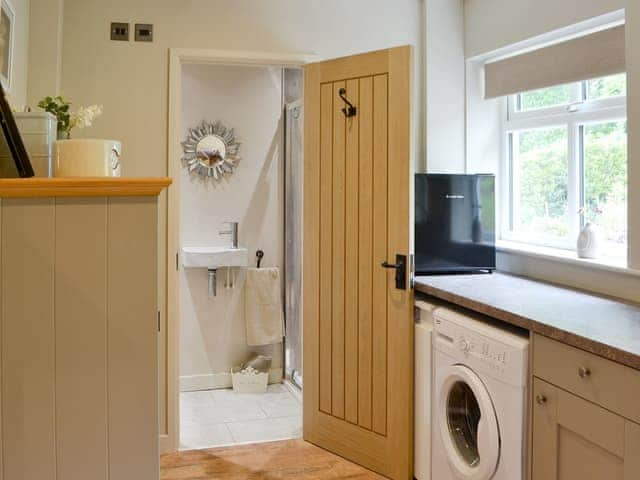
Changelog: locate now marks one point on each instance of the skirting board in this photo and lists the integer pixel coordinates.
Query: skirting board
(214, 381)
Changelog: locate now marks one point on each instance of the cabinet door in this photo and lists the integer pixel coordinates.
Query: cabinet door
(576, 439)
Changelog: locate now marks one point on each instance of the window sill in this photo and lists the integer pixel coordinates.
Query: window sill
(610, 264)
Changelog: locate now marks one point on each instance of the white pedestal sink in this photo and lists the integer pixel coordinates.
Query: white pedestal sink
(213, 257)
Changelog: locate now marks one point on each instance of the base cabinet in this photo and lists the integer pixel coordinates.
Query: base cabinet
(576, 438)
(78, 339)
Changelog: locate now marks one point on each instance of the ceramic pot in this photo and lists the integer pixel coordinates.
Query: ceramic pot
(87, 158)
(589, 242)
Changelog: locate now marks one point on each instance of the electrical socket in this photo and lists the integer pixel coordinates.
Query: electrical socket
(120, 31)
(144, 32)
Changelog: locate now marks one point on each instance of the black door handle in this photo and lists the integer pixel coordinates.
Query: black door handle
(401, 271)
(391, 265)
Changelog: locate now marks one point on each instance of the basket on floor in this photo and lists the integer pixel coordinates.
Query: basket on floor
(249, 382)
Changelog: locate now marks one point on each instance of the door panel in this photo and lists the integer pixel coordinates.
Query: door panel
(357, 191)
(632, 450)
(325, 244)
(352, 213)
(381, 282)
(574, 438)
(365, 253)
(338, 216)
(582, 459)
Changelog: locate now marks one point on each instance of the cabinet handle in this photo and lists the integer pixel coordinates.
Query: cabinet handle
(584, 372)
(541, 399)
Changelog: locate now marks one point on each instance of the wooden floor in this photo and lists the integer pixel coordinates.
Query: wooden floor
(289, 459)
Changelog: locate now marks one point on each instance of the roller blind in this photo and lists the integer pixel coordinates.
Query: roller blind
(595, 55)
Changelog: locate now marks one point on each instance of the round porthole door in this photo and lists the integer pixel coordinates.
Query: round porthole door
(468, 424)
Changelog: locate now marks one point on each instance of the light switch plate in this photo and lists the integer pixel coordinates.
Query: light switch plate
(144, 32)
(120, 32)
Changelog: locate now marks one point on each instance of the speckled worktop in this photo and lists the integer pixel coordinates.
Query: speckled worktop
(599, 325)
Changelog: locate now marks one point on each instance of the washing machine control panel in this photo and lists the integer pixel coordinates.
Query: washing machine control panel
(482, 346)
(494, 355)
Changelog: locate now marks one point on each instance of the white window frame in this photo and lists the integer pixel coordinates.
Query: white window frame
(574, 115)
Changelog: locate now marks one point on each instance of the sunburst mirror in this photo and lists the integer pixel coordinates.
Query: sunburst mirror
(211, 150)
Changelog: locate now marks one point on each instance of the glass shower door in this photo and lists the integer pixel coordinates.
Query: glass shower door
(293, 241)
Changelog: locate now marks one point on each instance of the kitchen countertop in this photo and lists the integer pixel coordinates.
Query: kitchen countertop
(82, 187)
(606, 327)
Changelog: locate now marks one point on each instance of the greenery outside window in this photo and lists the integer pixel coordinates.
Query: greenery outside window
(566, 164)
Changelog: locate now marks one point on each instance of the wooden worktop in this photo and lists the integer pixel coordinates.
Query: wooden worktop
(603, 326)
(82, 187)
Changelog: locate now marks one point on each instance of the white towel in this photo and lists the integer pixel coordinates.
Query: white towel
(263, 307)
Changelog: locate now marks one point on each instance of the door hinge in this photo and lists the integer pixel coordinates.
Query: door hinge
(159, 321)
(177, 261)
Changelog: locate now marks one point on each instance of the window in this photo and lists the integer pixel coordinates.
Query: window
(566, 164)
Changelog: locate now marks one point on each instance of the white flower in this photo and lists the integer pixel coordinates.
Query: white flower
(84, 116)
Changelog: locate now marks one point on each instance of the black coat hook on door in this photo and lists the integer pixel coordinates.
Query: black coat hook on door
(350, 110)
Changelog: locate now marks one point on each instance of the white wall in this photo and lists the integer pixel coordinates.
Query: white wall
(484, 124)
(491, 24)
(445, 86)
(248, 99)
(18, 88)
(130, 79)
(45, 49)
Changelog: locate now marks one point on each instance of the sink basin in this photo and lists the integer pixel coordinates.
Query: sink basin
(214, 257)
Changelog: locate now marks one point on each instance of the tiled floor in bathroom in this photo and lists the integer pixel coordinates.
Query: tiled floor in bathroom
(215, 418)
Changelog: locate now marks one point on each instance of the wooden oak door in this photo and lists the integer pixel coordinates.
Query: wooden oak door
(576, 439)
(358, 327)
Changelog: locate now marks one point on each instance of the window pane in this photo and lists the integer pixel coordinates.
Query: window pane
(606, 87)
(605, 172)
(541, 183)
(545, 97)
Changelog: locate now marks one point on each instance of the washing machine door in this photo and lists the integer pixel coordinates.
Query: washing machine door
(468, 424)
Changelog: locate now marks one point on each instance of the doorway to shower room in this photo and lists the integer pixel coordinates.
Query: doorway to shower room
(240, 367)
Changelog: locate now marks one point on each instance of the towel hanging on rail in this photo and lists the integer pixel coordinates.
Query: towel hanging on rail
(263, 307)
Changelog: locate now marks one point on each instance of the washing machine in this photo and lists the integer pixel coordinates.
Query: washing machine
(479, 399)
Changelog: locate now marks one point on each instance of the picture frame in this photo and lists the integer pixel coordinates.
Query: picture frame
(11, 140)
(7, 22)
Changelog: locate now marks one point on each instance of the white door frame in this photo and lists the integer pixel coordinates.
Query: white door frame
(169, 441)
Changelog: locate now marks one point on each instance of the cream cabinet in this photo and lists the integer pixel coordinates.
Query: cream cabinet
(78, 329)
(583, 416)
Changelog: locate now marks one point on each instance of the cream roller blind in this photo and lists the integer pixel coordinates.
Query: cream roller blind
(595, 55)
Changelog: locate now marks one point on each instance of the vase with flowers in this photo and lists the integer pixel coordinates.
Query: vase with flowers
(83, 117)
(590, 239)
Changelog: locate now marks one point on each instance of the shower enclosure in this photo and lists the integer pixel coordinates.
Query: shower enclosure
(293, 239)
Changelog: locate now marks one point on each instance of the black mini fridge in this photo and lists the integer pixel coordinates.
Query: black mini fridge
(455, 227)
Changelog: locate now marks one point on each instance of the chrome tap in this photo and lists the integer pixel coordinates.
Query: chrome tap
(233, 231)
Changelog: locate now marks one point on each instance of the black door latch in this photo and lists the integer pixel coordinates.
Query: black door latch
(350, 109)
(401, 271)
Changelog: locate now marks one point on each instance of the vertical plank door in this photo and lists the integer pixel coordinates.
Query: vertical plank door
(358, 326)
